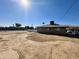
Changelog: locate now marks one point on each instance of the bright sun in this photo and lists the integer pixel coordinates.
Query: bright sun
(25, 3)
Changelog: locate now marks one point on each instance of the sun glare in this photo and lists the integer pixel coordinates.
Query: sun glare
(25, 3)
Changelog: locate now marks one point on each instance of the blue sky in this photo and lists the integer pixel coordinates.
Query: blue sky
(39, 11)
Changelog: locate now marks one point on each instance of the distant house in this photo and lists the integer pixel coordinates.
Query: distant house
(58, 29)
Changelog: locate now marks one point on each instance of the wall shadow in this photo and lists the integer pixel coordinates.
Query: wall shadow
(66, 35)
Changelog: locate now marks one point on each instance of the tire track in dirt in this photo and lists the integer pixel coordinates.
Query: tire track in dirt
(21, 55)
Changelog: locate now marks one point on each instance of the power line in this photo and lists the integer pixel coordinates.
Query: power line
(69, 9)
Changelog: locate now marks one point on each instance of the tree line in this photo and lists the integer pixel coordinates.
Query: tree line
(17, 26)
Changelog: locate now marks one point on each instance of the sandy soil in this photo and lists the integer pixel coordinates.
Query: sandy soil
(30, 45)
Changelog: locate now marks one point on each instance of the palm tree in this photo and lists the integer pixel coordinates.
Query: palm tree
(43, 22)
(18, 25)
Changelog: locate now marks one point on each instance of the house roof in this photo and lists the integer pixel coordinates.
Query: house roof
(53, 26)
(65, 26)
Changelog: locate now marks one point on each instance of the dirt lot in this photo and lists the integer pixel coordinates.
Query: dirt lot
(30, 45)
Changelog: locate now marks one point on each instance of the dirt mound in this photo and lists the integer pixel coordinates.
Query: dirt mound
(45, 38)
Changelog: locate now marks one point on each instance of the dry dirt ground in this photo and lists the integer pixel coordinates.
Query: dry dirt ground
(30, 45)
